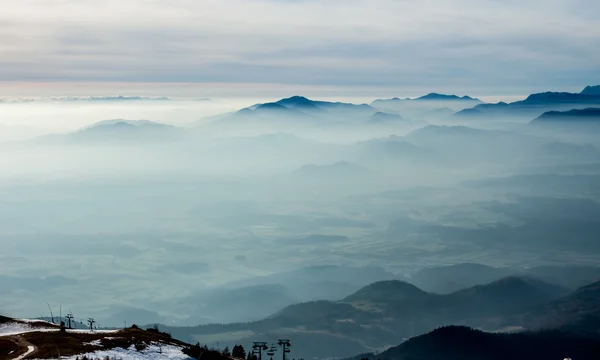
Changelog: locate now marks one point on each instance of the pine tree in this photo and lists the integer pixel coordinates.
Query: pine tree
(238, 352)
(226, 352)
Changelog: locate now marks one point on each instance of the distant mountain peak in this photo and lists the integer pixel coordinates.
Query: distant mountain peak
(437, 96)
(298, 102)
(591, 90)
(296, 98)
(386, 291)
(381, 116)
(116, 130)
(123, 123)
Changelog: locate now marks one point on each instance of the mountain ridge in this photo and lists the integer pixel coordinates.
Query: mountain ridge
(383, 312)
(579, 116)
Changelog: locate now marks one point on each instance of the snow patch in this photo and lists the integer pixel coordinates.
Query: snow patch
(30, 349)
(87, 331)
(34, 321)
(95, 343)
(151, 352)
(7, 329)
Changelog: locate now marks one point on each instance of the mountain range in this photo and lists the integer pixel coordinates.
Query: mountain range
(566, 327)
(535, 105)
(591, 90)
(299, 111)
(573, 117)
(382, 313)
(428, 107)
(299, 107)
(448, 279)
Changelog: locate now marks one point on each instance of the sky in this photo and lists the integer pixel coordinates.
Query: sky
(343, 47)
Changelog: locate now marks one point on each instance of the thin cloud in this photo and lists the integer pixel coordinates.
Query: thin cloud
(326, 42)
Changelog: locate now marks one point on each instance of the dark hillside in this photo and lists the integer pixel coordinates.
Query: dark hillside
(456, 342)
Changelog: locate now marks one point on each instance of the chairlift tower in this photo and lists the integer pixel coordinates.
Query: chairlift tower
(285, 344)
(258, 348)
(70, 318)
(91, 322)
(271, 351)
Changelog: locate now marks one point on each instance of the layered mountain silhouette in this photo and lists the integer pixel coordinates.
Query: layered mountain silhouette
(430, 97)
(503, 296)
(536, 104)
(385, 118)
(300, 107)
(425, 107)
(258, 297)
(482, 109)
(591, 90)
(436, 96)
(243, 304)
(383, 313)
(448, 279)
(302, 103)
(578, 312)
(574, 117)
(117, 130)
(565, 327)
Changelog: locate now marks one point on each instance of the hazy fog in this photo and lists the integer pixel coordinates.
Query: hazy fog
(151, 222)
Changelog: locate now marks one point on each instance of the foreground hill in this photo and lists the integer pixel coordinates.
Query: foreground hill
(458, 342)
(42, 340)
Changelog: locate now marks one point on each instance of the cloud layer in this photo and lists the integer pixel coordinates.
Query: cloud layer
(463, 43)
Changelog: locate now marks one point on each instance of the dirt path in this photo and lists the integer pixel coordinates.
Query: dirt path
(23, 344)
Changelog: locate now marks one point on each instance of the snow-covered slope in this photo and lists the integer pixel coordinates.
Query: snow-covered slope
(16, 328)
(33, 339)
(154, 351)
